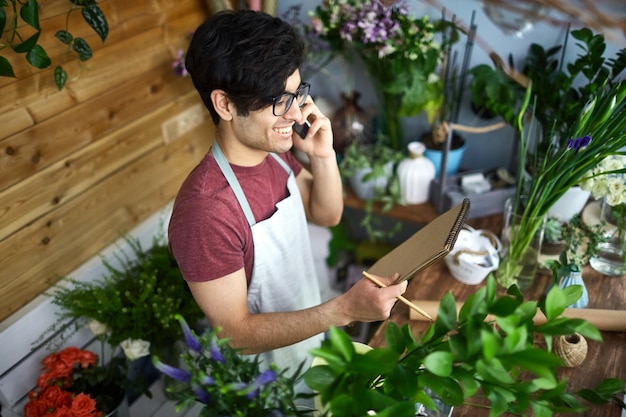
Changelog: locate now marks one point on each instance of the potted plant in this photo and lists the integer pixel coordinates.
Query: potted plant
(76, 382)
(399, 51)
(16, 35)
(553, 241)
(486, 352)
(133, 307)
(462, 357)
(582, 242)
(370, 170)
(492, 86)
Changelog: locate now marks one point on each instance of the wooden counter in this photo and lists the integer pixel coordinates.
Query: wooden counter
(604, 360)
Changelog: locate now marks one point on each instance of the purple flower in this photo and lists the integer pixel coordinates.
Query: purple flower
(202, 396)
(265, 377)
(216, 353)
(579, 143)
(190, 339)
(171, 371)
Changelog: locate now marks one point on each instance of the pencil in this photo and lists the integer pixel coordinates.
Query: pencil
(401, 298)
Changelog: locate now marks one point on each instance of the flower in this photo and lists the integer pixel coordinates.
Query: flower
(399, 51)
(228, 383)
(179, 64)
(317, 52)
(73, 385)
(608, 180)
(135, 349)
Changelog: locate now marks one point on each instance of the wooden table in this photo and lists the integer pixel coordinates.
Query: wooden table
(604, 360)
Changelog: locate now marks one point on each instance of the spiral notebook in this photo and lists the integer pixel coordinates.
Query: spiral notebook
(428, 245)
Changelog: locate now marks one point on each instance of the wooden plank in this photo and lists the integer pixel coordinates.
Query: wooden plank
(14, 121)
(42, 192)
(58, 242)
(46, 143)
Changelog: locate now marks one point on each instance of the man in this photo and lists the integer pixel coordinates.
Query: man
(239, 224)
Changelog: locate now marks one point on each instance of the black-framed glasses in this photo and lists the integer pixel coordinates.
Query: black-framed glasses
(282, 103)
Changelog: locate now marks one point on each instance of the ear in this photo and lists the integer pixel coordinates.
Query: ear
(222, 104)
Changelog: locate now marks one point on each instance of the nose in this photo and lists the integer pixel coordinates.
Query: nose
(294, 113)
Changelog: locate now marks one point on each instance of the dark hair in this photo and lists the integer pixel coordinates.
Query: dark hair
(250, 55)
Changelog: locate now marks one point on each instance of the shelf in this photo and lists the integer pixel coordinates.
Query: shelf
(414, 213)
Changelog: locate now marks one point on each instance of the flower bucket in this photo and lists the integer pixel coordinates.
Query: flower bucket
(475, 254)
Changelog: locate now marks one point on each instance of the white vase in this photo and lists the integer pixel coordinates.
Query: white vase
(415, 174)
(571, 203)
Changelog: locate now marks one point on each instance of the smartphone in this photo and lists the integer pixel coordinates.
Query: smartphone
(302, 130)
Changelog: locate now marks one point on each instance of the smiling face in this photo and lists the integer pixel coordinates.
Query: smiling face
(261, 132)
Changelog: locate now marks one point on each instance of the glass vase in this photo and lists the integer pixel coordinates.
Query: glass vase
(521, 238)
(611, 258)
(391, 126)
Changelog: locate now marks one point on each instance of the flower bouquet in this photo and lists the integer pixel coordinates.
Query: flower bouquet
(399, 51)
(74, 385)
(599, 131)
(227, 383)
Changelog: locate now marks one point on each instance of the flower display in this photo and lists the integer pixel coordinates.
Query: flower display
(399, 51)
(72, 384)
(228, 383)
(599, 132)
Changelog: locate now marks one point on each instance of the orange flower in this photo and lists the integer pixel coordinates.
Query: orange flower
(35, 408)
(83, 406)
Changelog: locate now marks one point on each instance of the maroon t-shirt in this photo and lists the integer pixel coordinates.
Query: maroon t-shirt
(208, 233)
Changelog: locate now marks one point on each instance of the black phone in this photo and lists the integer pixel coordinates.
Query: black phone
(302, 130)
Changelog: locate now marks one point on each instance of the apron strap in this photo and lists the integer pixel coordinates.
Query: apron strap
(234, 184)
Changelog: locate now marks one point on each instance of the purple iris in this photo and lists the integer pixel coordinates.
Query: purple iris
(579, 143)
(202, 396)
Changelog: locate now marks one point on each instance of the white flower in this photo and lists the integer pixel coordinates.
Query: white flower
(135, 348)
(612, 187)
(98, 328)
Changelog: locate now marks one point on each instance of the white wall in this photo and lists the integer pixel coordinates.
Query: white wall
(484, 151)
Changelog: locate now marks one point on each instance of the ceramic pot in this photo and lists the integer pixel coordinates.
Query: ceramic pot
(435, 155)
(367, 190)
(571, 203)
(350, 123)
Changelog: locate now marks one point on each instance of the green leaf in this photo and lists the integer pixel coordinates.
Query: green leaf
(446, 317)
(38, 58)
(474, 306)
(82, 48)
(402, 379)
(3, 18)
(64, 36)
(342, 343)
(28, 44)
(395, 338)
(319, 377)
(6, 69)
(490, 343)
(29, 13)
(439, 363)
(555, 303)
(60, 77)
(504, 306)
(96, 19)
(493, 371)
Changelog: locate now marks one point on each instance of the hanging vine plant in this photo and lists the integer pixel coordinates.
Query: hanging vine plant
(17, 17)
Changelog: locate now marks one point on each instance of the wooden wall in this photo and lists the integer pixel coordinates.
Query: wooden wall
(80, 166)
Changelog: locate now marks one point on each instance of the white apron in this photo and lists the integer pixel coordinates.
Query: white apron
(283, 274)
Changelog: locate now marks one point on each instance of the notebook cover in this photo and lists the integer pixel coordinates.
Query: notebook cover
(428, 245)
